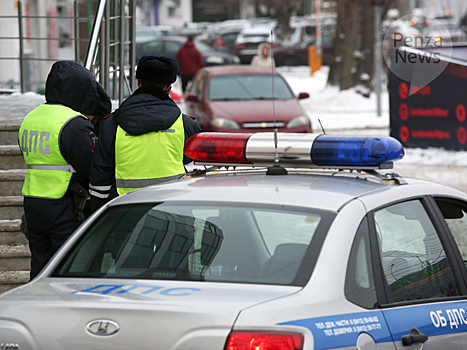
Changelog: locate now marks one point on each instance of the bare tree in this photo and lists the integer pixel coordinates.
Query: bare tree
(354, 44)
(281, 10)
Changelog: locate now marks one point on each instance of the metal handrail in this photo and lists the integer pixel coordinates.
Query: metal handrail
(109, 54)
(92, 47)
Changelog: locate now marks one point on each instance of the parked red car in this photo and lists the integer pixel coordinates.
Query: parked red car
(239, 98)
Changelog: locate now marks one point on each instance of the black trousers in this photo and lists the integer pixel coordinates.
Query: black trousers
(50, 222)
(185, 80)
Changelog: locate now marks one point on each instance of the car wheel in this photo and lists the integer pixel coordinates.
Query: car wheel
(291, 61)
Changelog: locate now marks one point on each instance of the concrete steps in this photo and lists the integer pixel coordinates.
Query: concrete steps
(14, 250)
(11, 158)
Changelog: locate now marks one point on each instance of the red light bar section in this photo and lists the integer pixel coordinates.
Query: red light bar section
(217, 148)
(264, 340)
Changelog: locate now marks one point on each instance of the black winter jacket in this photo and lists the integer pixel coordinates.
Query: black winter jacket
(147, 109)
(70, 84)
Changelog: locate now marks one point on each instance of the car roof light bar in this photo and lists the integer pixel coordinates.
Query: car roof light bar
(356, 150)
(294, 150)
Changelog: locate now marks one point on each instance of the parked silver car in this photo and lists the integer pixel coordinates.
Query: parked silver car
(294, 242)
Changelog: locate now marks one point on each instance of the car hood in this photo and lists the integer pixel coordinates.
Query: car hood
(55, 313)
(257, 110)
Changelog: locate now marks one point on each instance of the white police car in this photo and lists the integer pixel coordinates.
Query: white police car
(276, 254)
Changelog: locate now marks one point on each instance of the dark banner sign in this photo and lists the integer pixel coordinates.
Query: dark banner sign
(432, 115)
(214, 10)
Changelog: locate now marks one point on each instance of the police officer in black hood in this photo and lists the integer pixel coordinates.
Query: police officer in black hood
(57, 140)
(142, 142)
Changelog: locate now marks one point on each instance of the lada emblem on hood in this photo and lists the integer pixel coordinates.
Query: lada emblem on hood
(102, 327)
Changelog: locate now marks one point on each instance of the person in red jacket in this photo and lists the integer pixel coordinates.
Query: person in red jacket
(189, 60)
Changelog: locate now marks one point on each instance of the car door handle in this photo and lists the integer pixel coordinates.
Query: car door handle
(413, 337)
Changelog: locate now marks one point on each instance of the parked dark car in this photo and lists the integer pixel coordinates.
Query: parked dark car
(239, 98)
(169, 46)
(151, 32)
(225, 39)
(297, 55)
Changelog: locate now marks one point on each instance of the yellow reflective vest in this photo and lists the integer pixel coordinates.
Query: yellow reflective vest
(149, 159)
(48, 174)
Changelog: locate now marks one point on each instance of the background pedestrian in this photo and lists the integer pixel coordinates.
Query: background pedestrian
(190, 61)
(264, 57)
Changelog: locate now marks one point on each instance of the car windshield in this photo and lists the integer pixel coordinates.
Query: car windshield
(248, 87)
(202, 242)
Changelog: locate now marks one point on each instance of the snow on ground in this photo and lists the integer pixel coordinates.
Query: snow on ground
(333, 108)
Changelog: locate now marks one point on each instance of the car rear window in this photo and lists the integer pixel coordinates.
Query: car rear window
(248, 87)
(189, 241)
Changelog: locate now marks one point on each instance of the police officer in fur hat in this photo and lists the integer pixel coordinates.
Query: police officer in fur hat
(142, 142)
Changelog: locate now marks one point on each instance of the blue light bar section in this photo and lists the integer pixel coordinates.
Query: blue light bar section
(355, 150)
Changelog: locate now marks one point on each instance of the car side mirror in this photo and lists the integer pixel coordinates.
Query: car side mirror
(303, 95)
(192, 98)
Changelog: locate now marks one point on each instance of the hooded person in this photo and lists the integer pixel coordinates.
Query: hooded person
(57, 140)
(190, 61)
(264, 57)
(142, 142)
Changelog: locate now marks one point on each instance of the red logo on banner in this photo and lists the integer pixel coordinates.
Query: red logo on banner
(461, 135)
(404, 133)
(404, 112)
(403, 90)
(460, 113)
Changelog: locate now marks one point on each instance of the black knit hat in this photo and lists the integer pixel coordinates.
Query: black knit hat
(157, 69)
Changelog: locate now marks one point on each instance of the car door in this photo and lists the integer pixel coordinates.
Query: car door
(418, 277)
(171, 47)
(196, 107)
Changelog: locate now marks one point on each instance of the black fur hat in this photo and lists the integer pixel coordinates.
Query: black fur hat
(157, 69)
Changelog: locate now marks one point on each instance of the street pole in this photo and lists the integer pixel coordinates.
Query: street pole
(318, 26)
(378, 57)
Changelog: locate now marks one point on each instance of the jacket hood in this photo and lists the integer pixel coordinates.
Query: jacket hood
(148, 109)
(260, 50)
(72, 85)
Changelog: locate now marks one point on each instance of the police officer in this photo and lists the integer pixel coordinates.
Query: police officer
(57, 140)
(142, 142)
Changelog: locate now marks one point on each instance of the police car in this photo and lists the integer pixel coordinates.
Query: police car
(272, 242)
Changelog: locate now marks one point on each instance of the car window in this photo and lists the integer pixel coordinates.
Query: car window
(413, 259)
(172, 47)
(455, 215)
(253, 244)
(152, 46)
(248, 87)
(229, 38)
(359, 282)
(309, 30)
